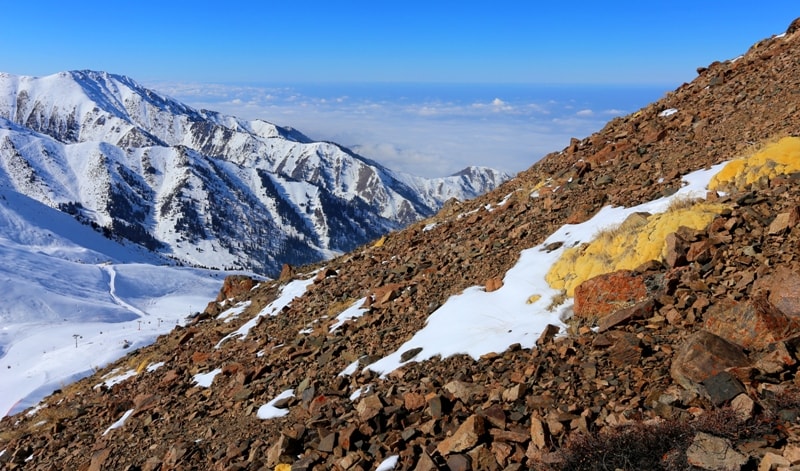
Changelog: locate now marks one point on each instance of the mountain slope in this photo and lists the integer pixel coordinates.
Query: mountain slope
(201, 187)
(296, 378)
(60, 279)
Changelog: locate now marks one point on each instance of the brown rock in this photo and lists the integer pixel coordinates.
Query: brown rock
(626, 349)
(538, 433)
(676, 249)
(547, 334)
(369, 407)
(774, 358)
(493, 284)
(459, 462)
(641, 310)
(144, 402)
(287, 272)
(700, 251)
(386, 293)
(784, 221)
(703, 355)
(98, 458)
(325, 273)
(200, 357)
(513, 393)
(413, 401)
(482, 458)
(772, 461)
(783, 286)
(515, 436)
(465, 437)
(327, 443)
(425, 463)
(605, 294)
(235, 285)
(169, 377)
(751, 324)
(496, 416)
(461, 390)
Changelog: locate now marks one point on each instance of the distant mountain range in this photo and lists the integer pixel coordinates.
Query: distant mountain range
(200, 187)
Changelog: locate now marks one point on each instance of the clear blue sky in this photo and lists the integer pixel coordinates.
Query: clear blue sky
(410, 41)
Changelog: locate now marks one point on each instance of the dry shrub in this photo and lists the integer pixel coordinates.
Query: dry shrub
(654, 446)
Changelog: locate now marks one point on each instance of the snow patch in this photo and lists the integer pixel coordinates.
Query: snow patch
(353, 312)
(119, 423)
(204, 380)
(388, 464)
(272, 410)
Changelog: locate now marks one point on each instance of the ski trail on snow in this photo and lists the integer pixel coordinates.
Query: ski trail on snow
(112, 290)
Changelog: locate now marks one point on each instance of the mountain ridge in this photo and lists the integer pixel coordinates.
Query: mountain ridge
(140, 165)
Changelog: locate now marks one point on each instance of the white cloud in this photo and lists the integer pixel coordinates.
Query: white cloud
(415, 134)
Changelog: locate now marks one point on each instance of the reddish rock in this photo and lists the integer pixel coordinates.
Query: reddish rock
(642, 310)
(235, 285)
(200, 357)
(169, 377)
(287, 272)
(700, 251)
(383, 295)
(783, 286)
(626, 349)
(413, 401)
(702, 356)
(676, 249)
(493, 284)
(605, 294)
(751, 324)
(325, 273)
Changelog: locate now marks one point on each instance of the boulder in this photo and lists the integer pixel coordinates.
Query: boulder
(783, 286)
(752, 324)
(702, 356)
(714, 453)
(602, 295)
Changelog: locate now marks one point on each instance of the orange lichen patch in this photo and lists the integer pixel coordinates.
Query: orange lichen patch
(639, 239)
(778, 158)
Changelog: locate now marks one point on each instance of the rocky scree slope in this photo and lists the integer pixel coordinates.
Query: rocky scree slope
(686, 362)
(204, 188)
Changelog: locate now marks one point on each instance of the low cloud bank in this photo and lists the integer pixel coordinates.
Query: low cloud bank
(428, 130)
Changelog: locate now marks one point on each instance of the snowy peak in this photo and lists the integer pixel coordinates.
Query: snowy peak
(201, 187)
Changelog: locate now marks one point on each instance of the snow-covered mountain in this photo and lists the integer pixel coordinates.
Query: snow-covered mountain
(203, 188)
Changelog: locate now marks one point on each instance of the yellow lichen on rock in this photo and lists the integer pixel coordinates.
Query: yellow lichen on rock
(778, 158)
(639, 239)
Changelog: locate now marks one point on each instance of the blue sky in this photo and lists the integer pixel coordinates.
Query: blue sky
(345, 71)
(346, 41)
